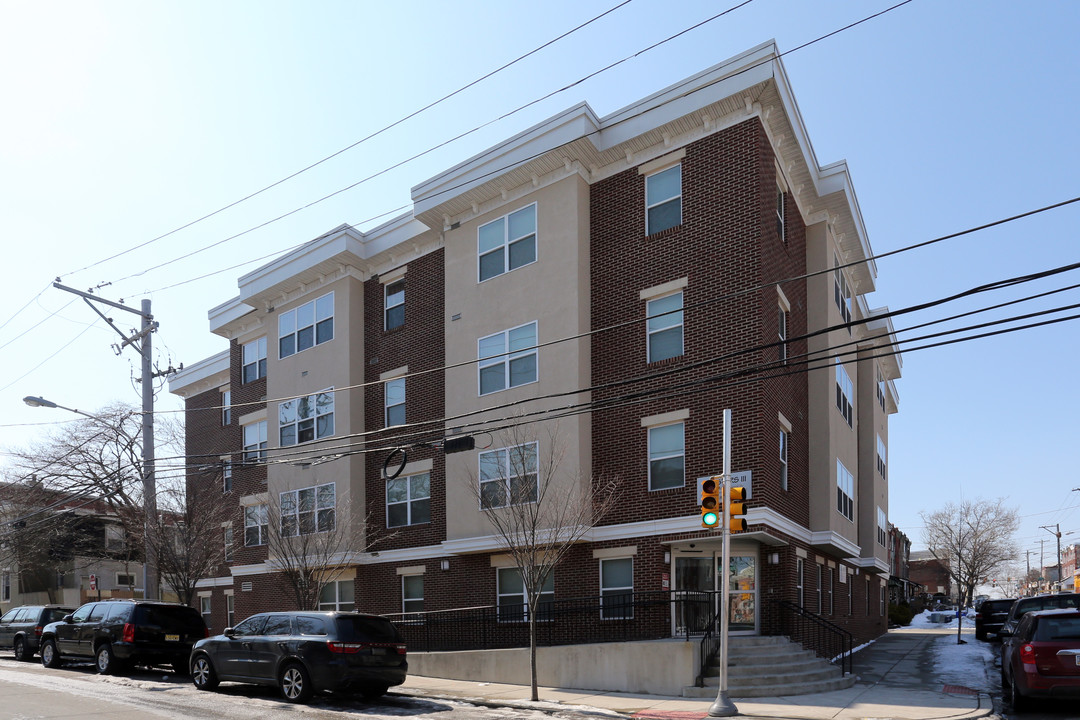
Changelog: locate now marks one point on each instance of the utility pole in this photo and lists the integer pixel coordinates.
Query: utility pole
(1057, 533)
(141, 342)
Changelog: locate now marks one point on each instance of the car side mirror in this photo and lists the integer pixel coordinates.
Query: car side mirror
(69, 618)
(1004, 633)
(228, 632)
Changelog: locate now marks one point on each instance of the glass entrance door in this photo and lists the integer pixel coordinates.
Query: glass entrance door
(742, 593)
(694, 585)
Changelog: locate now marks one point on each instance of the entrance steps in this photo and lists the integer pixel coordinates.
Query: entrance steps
(771, 667)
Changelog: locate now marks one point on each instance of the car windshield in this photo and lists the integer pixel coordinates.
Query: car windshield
(1058, 628)
(357, 628)
(178, 617)
(1048, 603)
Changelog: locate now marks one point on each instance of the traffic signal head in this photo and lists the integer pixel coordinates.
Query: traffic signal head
(709, 500)
(736, 508)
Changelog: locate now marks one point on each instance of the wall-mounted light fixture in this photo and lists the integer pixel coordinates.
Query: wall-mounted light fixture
(667, 557)
(774, 558)
(445, 564)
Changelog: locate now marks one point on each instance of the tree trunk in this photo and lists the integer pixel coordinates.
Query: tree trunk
(532, 651)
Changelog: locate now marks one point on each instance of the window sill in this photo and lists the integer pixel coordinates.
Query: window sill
(665, 232)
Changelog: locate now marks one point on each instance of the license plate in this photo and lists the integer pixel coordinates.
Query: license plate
(172, 638)
(382, 651)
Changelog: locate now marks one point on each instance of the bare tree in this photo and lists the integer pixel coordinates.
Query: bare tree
(973, 539)
(538, 511)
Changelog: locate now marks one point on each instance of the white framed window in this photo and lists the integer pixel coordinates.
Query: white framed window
(881, 455)
(882, 528)
(507, 243)
(394, 304)
(412, 593)
(781, 231)
(884, 602)
(617, 588)
(230, 610)
(841, 292)
(509, 476)
(829, 590)
(305, 419)
(507, 358)
(256, 525)
(254, 366)
(783, 459)
(781, 334)
(394, 401)
(5, 586)
(204, 608)
(255, 441)
(306, 326)
(665, 327)
(513, 600)
(845, 491)
(851, 595)
(228, 537)
(845, 393)
(667, 456)
(663, 199)
(309, 510)
(408, 500)
(126, 579)
(226, 408)
(226, 475)
(338, 595)
(800, 581)
(820, 588)
(880, 390)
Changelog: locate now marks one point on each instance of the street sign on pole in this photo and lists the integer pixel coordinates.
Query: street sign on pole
(93, 581)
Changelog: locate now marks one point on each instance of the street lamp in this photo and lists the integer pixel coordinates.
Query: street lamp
(150, 575)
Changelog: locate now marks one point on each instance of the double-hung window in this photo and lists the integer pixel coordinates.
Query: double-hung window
(304, 419)
(408, 500)
(845, 491)
(665, 327)
(228, 543)
(507, 359)
(800, 581)
(880, 390)
(412, 593)
(783, 459)
(226, 408)
(841, 292)
(513, 596)
(256, 526)
(845, 393)
(663, 199)
(394, 304)
(254, 366)
(881, 467)
(882, 525)
(255, 441)
(507, 243)
(394, 401)
(616, 588)
(306, 326)
(338, 595)
(781, 334)
(667, 456)
(226, 475)
(308, 511)
(781, 230)
(509, 476)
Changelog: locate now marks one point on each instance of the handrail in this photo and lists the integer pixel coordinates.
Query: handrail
(710, 645)
(826, 639)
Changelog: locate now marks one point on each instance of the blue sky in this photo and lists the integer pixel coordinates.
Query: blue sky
(126, 120)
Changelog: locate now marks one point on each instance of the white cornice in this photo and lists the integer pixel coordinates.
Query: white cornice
(206, 374)
(836, 541)
(872, 563)
(214, 582)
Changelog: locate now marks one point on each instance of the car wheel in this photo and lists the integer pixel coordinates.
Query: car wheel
(50, 658)
(104, 660)
(374, 692)
(1019, 702)
(295, 683)
(21, 652)
(203, 674)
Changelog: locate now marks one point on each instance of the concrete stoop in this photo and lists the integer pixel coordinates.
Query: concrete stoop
(772, 667)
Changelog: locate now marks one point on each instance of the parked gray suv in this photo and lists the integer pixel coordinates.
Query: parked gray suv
(20, 628)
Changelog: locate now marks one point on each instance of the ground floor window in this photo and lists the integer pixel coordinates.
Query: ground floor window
(800, 577)
(204, 608)
(513, 600)
(617, 588)
(338, 595)
(412, 593)
(230, 611)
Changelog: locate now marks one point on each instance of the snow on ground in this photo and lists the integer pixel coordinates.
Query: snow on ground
(932, 619)
(970, 663)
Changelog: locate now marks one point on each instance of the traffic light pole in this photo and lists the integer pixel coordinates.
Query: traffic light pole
(723, 707)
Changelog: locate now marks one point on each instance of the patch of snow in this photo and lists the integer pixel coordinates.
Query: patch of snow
(970, 665)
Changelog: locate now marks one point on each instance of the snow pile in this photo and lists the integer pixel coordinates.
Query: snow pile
(970, 665)
(942, 619)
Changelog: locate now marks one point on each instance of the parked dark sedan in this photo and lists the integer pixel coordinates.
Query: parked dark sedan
(1042, 657)
(990, 615)
(20, 628)
(304, 652)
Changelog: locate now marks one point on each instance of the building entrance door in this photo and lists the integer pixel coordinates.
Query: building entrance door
(742, 593)
(695, 583)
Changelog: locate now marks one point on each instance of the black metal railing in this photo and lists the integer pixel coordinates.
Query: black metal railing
(615, 617)
(710, 645)
(826, 639)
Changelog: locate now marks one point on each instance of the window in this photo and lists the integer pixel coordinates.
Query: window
(800, 580)
(507, 359)
(780, 230)
(665, 327)
(254, 360)
(408, 500)
(394, 399)
(513, 600)
(829, 590)
(617, 589)
(255, 441)
(781, 334)
(882, 528)
(230, 611)
(820, 587)
(881, 456)
(412, 593)
(507, 243)
(228, 544)
(125, 580)
(306, 326)
(841, 292)
(783, 460)
(114, 537)
(226, 475)
(256, 526)
(845, 393)
(304, 419)
(882, 609)
(663, 200)
(394, 304)
(845, 491)
(5, 587)
(880, 390)
(868, 597)
(508, 476)
(226, 407)
(851, 595)
(309, 510)
(204, 609)
(666, 456)
(338, 595)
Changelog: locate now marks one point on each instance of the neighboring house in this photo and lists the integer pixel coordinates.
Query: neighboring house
(931, 573)
(690, 202)
(901, 587)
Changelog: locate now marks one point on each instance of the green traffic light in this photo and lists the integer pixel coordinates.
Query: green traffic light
(710, 519)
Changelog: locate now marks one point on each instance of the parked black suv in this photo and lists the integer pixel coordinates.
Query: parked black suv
(1038, 602)
(990, 616)
(302, 652)
(120, 633)
(20, 628)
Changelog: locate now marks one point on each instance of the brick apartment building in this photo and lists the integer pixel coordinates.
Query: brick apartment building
(705, 199)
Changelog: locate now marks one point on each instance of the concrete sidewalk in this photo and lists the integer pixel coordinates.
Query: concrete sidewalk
(895, 681)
